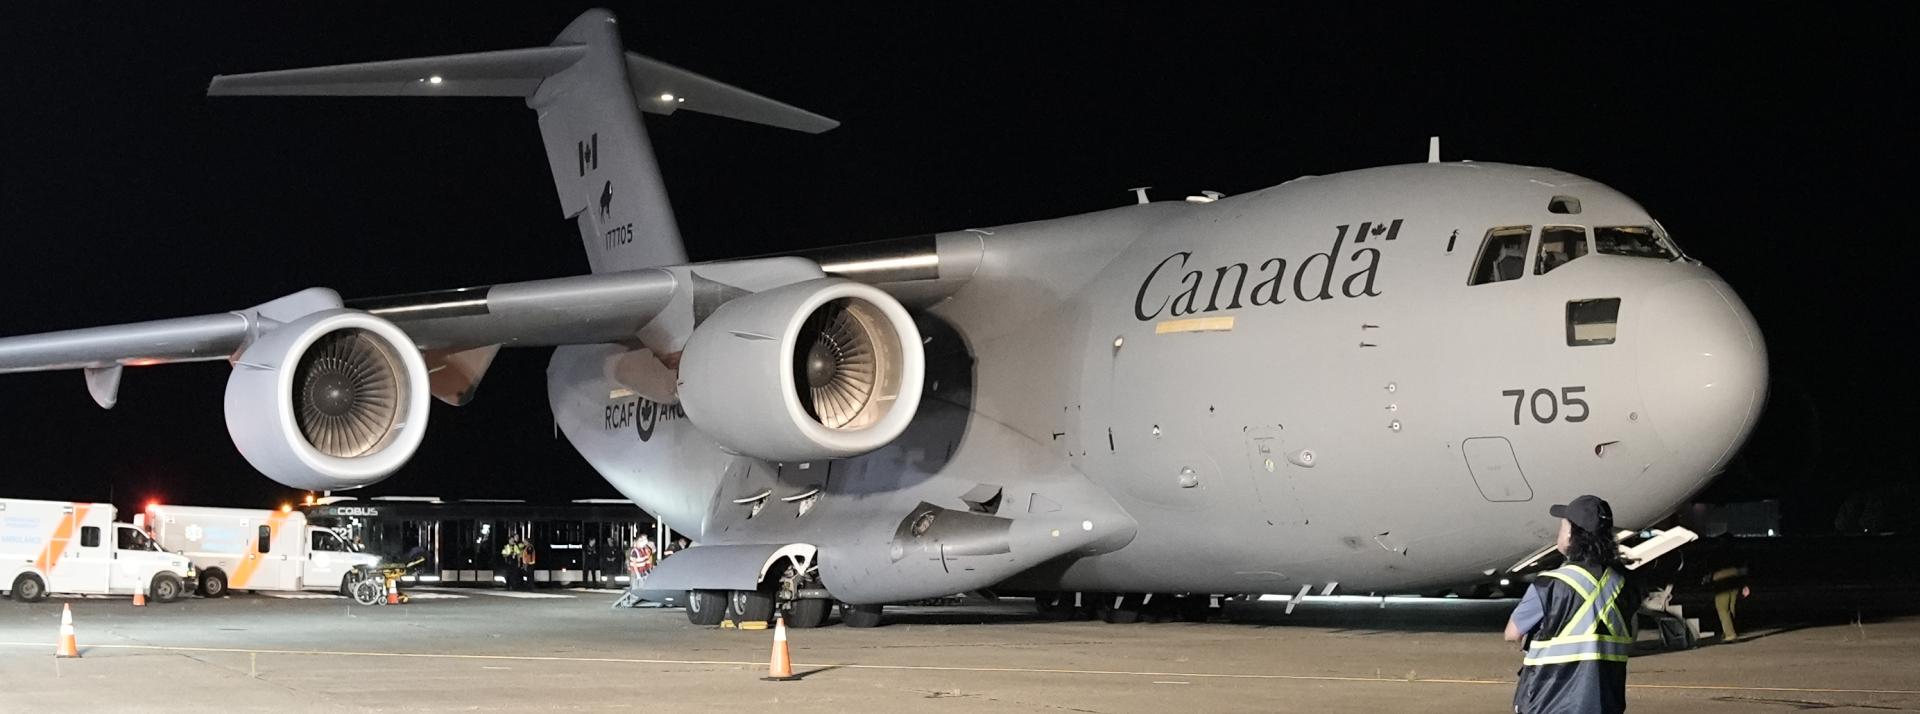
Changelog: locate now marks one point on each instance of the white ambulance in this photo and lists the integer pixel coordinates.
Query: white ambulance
(249, 549)
(61, 547)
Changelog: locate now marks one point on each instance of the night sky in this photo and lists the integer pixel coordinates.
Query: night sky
(1767, 145)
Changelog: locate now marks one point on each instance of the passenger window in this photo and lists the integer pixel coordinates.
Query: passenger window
(1592, 322)
(266, 539)
(1559, 245)
(1633, 242)
(324, 541)
(130, 539)
(1503, 255)
(90, 537)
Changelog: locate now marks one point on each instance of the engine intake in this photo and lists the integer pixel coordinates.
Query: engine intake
(824, 368)
(332, 401)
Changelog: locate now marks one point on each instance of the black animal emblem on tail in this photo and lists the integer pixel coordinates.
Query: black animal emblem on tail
(606, 200)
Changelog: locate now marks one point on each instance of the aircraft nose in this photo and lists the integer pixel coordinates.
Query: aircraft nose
(1702, 372)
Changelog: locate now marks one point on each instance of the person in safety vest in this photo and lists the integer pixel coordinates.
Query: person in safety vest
(1575, 621)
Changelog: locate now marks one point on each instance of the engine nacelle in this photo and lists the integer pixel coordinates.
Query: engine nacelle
(821, 369)
(331, 401)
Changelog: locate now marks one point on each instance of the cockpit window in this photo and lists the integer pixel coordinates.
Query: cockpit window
(1633, 242)
(1592, 322)
(1559, 245)
(1503, 255)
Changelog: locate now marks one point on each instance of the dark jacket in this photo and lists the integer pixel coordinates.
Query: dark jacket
(1583, 686)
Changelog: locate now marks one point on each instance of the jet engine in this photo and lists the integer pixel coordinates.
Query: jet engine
(825, 368)
(331, 401)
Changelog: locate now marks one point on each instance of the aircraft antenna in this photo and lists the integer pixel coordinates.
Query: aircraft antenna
(1433, 149)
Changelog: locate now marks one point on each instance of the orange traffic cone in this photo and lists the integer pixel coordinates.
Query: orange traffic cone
(68, 647)
(780, 667)
(393, 592)
(140, 597)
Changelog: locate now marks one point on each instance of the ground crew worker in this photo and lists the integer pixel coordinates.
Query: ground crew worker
(511, 556)
(1573, 621)
(1729, 585)
(640, 558)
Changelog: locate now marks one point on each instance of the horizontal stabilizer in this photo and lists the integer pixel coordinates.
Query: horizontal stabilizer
(506, 73)
(658, 87)
(662, 88)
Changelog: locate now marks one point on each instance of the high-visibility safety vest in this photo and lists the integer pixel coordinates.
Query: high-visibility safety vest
(1597, 631)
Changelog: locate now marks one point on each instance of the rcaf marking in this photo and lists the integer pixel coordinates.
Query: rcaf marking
(589, 154)
(1183, 297)
(642, 414)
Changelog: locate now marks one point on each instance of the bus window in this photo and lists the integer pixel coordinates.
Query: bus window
(1560, 245)
(1503, 255)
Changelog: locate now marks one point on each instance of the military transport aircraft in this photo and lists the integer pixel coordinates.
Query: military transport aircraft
(1375, 380)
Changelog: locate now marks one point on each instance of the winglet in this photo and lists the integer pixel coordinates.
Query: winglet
(104, 384)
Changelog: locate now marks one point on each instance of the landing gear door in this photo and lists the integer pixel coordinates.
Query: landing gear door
(1272, 477)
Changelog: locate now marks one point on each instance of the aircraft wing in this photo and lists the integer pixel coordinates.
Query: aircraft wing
(587, 309)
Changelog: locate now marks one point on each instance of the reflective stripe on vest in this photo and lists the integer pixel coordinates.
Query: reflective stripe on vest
(1580, 639)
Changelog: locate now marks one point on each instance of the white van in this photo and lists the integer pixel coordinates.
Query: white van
(253, 549)
(61, 547)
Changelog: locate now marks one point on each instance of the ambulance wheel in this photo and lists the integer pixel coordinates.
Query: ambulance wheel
(807, 614)
(749, 606)
(706, 608)
(213, 583)
(29, 588)
(166, 587)
(860, 615)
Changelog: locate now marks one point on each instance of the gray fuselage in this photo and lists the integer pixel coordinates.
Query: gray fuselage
(1295, 386)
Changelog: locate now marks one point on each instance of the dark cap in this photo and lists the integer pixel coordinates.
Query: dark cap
(1589, 512)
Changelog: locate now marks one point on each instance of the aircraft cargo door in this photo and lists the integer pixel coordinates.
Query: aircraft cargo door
(1495, 470)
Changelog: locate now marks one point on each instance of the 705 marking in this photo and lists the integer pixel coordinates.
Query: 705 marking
(1553, 403)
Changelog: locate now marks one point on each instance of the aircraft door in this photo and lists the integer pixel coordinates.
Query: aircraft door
(1273, 475)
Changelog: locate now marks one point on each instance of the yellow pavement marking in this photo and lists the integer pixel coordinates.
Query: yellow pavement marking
(937, 668)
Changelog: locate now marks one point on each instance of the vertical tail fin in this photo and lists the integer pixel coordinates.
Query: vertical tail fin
(588, 92)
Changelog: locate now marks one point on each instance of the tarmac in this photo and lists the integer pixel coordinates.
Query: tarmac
(488, 650)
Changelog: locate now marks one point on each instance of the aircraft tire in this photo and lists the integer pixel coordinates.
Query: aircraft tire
(861, 616)
(166, 587)
(1057, 607)
(1193, 608)
(706, 608)
(749, 606)
(29, 588)
(213, 583)
(808, 614)
(1118, 609)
